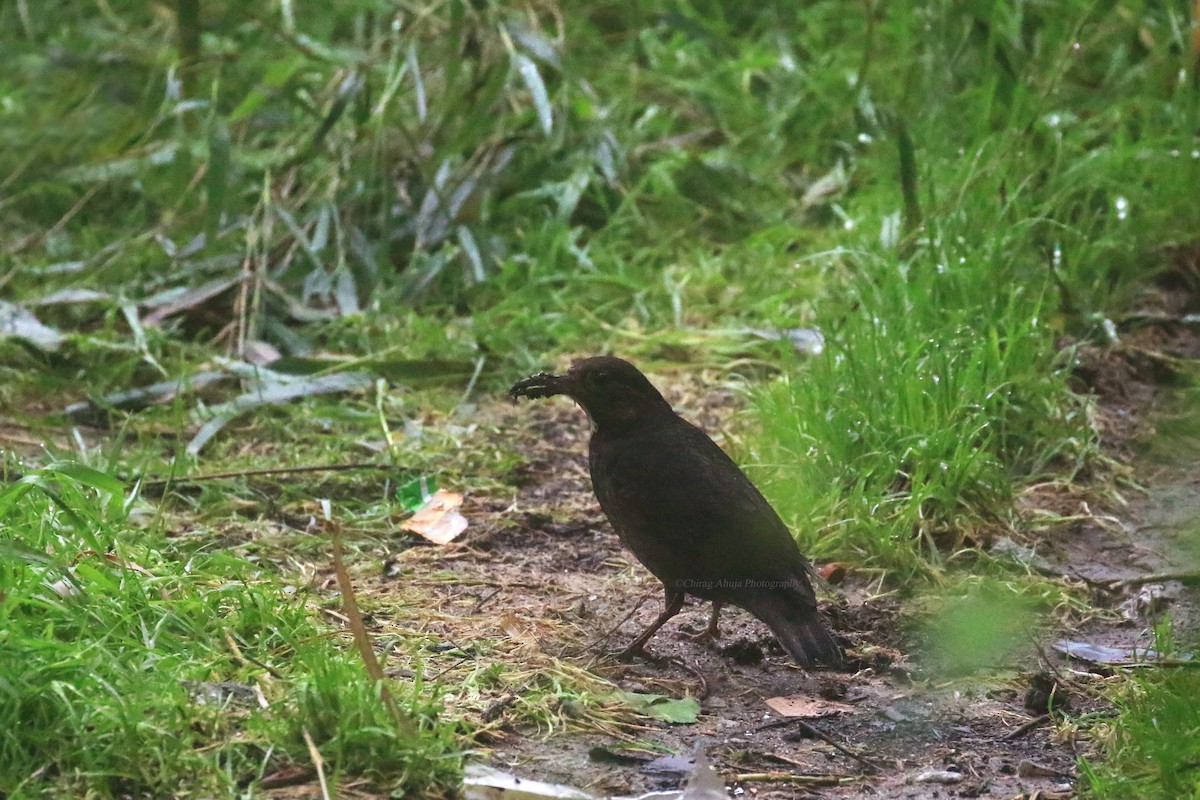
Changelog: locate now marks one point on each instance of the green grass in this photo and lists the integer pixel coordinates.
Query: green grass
(954, 194)
(1152, 749)
(945, 385)
(119, 649)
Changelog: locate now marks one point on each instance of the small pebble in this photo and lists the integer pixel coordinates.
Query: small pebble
(939, 776)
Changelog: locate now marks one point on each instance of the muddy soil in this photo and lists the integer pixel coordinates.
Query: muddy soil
(890, 726)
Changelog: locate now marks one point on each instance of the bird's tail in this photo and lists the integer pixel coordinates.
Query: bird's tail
(798, 626)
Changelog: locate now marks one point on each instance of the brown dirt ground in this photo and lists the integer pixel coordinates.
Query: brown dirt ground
(541, 578)
(558, 580)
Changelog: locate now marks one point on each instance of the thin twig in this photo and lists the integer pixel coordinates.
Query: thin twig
(35, 238)
(694, 670)
(1025, 728)
(239, 653)
(482, 601)
(318, 762)
(479, 362)
(604, 636)
(1187, 578)
(257, 473)
(362, 639)
(816, 733)
(791, 777)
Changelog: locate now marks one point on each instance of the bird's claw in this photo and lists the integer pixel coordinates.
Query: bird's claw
(707, 636)
(629, 654)
(632, 653)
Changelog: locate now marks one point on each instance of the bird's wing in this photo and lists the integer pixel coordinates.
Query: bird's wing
(687, 510)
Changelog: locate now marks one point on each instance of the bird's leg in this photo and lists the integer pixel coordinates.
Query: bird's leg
(674, 602)
(710, 633)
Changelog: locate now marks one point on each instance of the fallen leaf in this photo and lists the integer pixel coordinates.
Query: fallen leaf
(71, 297)
(519, 630)
(260, 353)
(65, 587)
(802, 705)
(21, 323)
(89, 411)
(828, 185)
(481, 782)
(657, 706)
(438, 520)
(833, 572)
(1103, 654)
(174, 301)
(274, 389)
(807, 341)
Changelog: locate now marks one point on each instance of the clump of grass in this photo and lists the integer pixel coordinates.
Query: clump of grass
(129, 669)
(1153, 747)
(945, 381)
(904, 423)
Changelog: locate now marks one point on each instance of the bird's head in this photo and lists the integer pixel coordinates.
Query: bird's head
(613, 392)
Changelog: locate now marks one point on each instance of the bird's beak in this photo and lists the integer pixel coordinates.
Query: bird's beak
(542, 385)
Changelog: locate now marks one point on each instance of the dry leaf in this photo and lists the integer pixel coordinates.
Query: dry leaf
(438, 520)
(833, 572)
(113, 558)
(802, 705)
(519, 631)
(21, 323)
(481, 782)
(1103, 654)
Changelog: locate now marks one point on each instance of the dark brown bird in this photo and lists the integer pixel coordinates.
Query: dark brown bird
(686, 510)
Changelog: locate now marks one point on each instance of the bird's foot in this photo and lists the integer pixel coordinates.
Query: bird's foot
(636, 651)
(712, 632)
(707, 636)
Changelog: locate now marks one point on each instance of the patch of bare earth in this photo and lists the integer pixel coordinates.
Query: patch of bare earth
(543, 576)
(517, 619)
(558, 574)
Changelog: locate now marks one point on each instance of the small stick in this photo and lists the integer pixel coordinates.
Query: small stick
(255, 473)
(362, 639)
(1189, 578)
(811, 730)
(481, 602)
(238, 653)
(791, 777)
(816, 733)
(318, 762)
(604, 636)
(1025, 728)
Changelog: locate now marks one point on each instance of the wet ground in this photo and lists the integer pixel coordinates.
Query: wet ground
(540, 578)
(894, 725)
